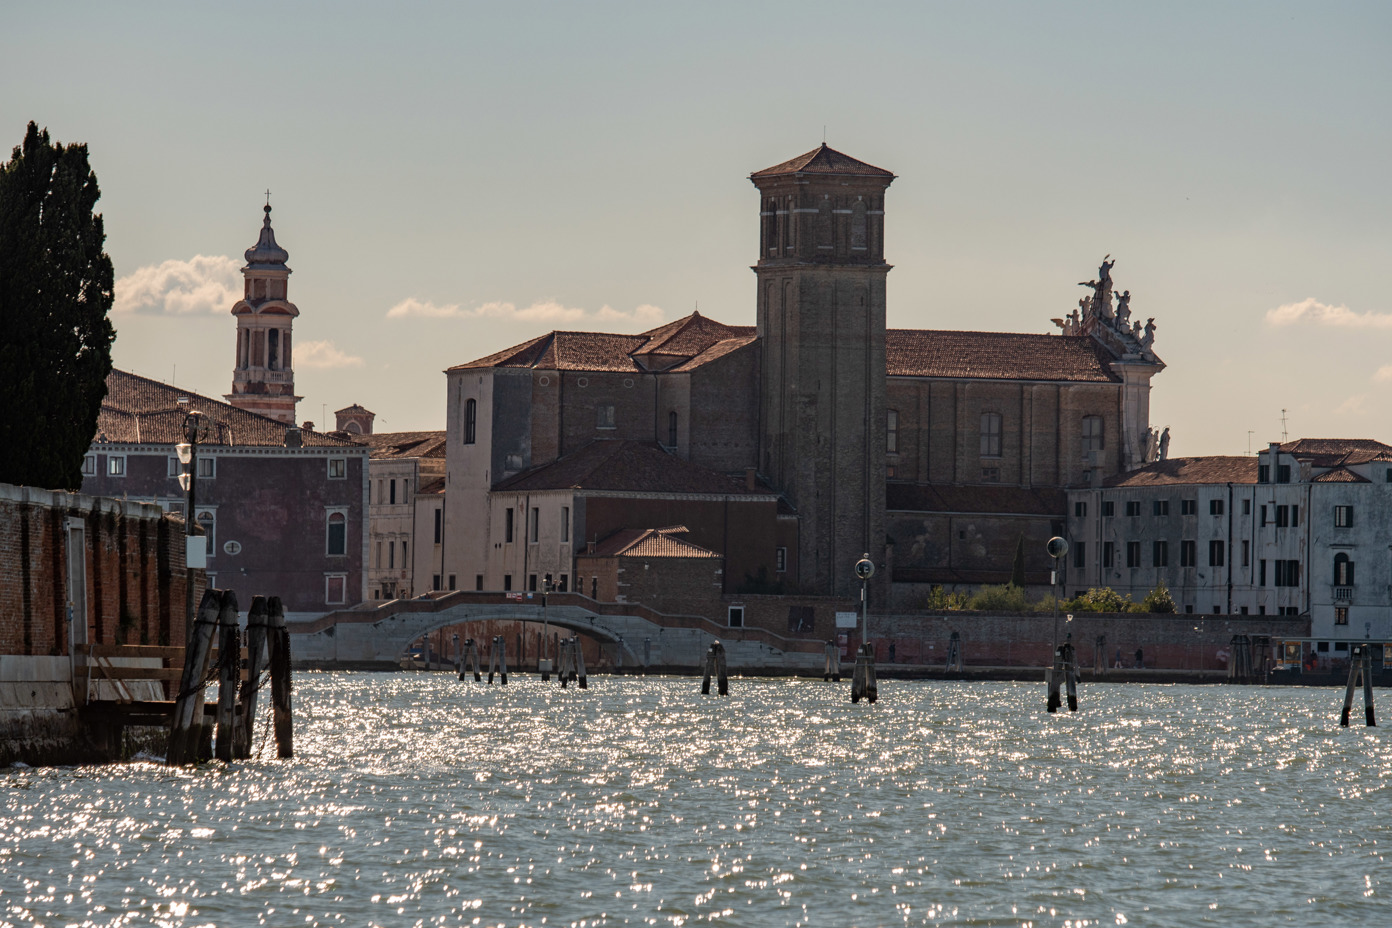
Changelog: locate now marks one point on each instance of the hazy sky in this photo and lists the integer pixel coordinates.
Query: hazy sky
(451, 179)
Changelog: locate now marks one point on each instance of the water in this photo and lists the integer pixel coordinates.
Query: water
(419, 800)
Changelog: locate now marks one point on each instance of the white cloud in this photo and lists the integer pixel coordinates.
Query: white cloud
(202, 284)
(1384, 374)
(1310, 310)
(322, 355)
(1351, 406)
(548, 312)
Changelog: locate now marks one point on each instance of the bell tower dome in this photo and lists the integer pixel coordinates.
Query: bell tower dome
(263, 380)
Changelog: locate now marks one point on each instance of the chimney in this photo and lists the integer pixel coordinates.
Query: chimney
(749, 479)
(293, 438)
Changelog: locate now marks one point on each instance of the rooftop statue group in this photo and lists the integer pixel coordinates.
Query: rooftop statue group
(1097, 310)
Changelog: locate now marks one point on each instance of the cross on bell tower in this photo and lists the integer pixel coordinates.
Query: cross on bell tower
(263, 380)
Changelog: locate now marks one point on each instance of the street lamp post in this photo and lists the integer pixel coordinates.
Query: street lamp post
(195, 430)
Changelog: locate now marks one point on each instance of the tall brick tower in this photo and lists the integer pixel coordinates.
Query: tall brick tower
(262, 378)
(821, 317)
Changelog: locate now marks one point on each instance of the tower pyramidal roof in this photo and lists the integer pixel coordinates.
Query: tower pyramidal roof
(823, 160)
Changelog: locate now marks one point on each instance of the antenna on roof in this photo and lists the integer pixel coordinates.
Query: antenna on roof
(1283, 426)
(1249, 440)
(823, 133)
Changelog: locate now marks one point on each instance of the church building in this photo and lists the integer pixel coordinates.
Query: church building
(792, 446)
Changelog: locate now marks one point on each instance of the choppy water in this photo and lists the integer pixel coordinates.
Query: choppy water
(418, 800)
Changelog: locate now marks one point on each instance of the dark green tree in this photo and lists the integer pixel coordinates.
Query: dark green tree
(1017, 569)
(55, 292)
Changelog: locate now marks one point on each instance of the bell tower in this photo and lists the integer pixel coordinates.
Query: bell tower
(263, 380)
(821, 321)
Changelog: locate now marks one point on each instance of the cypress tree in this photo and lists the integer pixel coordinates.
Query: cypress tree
(55, 293)
(1017, 568)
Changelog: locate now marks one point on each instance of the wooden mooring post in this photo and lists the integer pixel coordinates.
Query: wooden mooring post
(863, 682)
(1063, 674)
(278, 641)
(1240, 659)
(470, 657)
(258, 624)
(831, 667)
(229, 670)
(1099, 656)
(1360, 666)
(954, 653)
(570, 663)
(186, 727)
(497, 659)
(715, 666)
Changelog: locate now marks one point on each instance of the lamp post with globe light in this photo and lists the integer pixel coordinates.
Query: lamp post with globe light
(195, 430)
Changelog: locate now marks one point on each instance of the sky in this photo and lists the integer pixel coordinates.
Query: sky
(454, 178)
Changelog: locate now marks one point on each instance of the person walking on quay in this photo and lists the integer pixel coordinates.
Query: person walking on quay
(1140, 659)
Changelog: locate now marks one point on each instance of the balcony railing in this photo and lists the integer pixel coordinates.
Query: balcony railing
(1343, 594)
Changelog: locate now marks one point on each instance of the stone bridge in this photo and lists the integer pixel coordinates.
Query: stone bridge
(380, 636)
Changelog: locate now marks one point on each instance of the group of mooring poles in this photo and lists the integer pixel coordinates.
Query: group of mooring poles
(191, 737)
(1063, 674)
(570, 664)
(863, 682)
(1360, 667)
(715, 666)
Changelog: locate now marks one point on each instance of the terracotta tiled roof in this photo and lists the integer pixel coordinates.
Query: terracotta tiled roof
(138, 410)
(918, 497)
(433, 485)
(1337, 452)
(823, 160)
(718, 350)
(1212, 469)
(649, 542)
(1340, 475)
(677, 343)
(404, 444)
(355, 409)
(627, 466)
(996, 356)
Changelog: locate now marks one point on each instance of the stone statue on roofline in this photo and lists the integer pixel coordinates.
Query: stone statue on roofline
(1123, 311)
(1165, 444)
(1104, 273)
(1152, 448)
(1148, 338)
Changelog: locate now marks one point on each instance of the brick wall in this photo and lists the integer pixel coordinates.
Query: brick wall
(133, 567)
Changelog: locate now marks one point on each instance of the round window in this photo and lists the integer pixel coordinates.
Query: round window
(232, 547)
(583, 381)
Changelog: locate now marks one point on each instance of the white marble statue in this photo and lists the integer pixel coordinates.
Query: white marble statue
(1164, 444)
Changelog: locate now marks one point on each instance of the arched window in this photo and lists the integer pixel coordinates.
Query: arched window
(470, 420)
(336, 541)
(1343, 570)
(273, 350)
(671, 430)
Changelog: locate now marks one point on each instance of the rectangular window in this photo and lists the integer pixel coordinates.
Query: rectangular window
(1079, 510)
(336, 532)
(1215, 553)
(507, 525)
(990, 435)
(1246, 554)
(1283, 473)
(1108, 553)
(405, 558)
(1133, 507)
(175, 469)
(564, 583)
(1188, 553)
(207, 468)
(470, 421)
(736, 617)
(604, 417)
(1343, 516)
(1287, 573)
(1261, 572)
(338, 468)
(1215, 507)
(1092, 433)
(780, 559)
(990, 474)
(377, 555)
(1108, 509)
(534, 530)
(1079, 554)
(452, 584)
(1189, 608)
(1133, 554)
(1160, 507)
(507, 582)
(1246, 507)
(116, 465)
(532, 582)
(892, 431)
(391, 555)
(1262, 520)
(1341, 615)
(1263, 473)
(335, 589)
(565, 524)
(1188, 507)
(1160, 554)
(89, 465)
(435, 582)
(478, 581)
(391, 485)
(439, 524)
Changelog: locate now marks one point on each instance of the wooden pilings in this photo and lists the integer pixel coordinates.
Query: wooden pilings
(229, 670)
(187, 726)
(1064, 674)
(1240, 660)
(863, 682)
(1099, 656)
(497, 659)
(1360, 667)
(258, 623)
(954, 653)
(278, 640)
(715, 666)
(831, 667)
(469, 657)
(570, 663)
